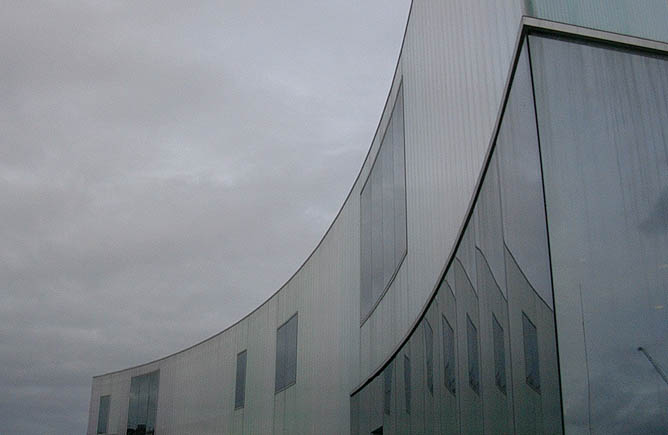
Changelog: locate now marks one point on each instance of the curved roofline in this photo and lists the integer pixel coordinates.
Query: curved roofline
(322, 239)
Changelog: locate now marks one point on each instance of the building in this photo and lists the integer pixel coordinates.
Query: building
(499, 266)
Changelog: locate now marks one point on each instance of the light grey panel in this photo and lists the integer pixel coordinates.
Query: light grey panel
(603, 119)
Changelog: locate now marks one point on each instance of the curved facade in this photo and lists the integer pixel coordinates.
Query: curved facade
(500, 264)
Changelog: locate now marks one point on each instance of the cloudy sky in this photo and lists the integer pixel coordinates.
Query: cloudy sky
(164, 167)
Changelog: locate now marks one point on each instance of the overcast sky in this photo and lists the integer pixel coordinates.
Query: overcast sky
(164, 167)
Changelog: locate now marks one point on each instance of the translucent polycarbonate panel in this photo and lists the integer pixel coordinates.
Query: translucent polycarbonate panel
(499, 355)
(521, 184)
(449, 359)
(240, 384)
(407, 383)
(473, 355)
(387, 388)
(286, 354)
(531, 358)
(603, 122)
(429, 354)
(143, 404)
(383, 213)
(644, 18)
(103, 414)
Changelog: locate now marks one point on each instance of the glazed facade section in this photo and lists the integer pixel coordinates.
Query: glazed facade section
(499, 266)
(585, 123)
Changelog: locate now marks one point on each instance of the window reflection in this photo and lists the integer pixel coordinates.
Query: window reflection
(143, 405)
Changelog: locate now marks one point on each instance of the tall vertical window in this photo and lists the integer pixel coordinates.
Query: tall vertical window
(429, 354)
(474, 361)
(383, 213)
(531, 365)
(143, 405)
(449, 357)
(387, 388)
(407, 383)
(103, 414)
(286, 354)
(499, 355)
(240, 389)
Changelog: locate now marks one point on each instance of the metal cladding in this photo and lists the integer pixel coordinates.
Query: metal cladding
(447, 295)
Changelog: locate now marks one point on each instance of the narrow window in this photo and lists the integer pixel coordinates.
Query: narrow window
(429, 354)
(531, 364)
(240, 389)
(449, 357)
(474, 363)
(383, 242)
(143, 406)
(286, 354)
(499, 355)
(103, 414)
(387, 388)
(407, 382)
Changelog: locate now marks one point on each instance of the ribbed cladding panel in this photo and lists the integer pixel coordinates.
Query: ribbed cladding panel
(643, 18)
(454, 66)
(452, 98)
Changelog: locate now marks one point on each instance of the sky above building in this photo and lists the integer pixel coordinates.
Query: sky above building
(165, 166)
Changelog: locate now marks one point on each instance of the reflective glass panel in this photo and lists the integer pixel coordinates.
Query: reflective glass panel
(383, 213)
(286, 354)
(603, 121)
(499, 355)
(474, 362)
(103, 414)
(143, 405)
(449, 368)
(240, 385)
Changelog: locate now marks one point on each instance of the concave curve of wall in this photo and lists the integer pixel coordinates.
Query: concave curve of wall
(451, 103)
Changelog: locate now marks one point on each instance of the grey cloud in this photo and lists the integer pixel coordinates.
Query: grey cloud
(191, 153)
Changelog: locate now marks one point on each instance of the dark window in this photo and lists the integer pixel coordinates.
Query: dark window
(143, 405)
(378, 431)
(387, 388)
(286, 354)
(449, 357)
(531, 365)
(499, 355)
(429, 353)
(407, 382)
(103, 414)
(240, 389)
(474, 362)
(383, 213)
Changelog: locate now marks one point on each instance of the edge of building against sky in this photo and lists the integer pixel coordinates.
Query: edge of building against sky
(500, 264)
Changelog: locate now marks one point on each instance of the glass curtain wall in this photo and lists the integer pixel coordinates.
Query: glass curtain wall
(471, 377)
(582, 150)
(603, 118)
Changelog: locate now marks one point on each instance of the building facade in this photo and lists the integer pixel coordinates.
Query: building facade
(499, 266)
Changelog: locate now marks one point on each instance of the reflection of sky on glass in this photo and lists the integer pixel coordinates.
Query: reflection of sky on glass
(604, 138)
